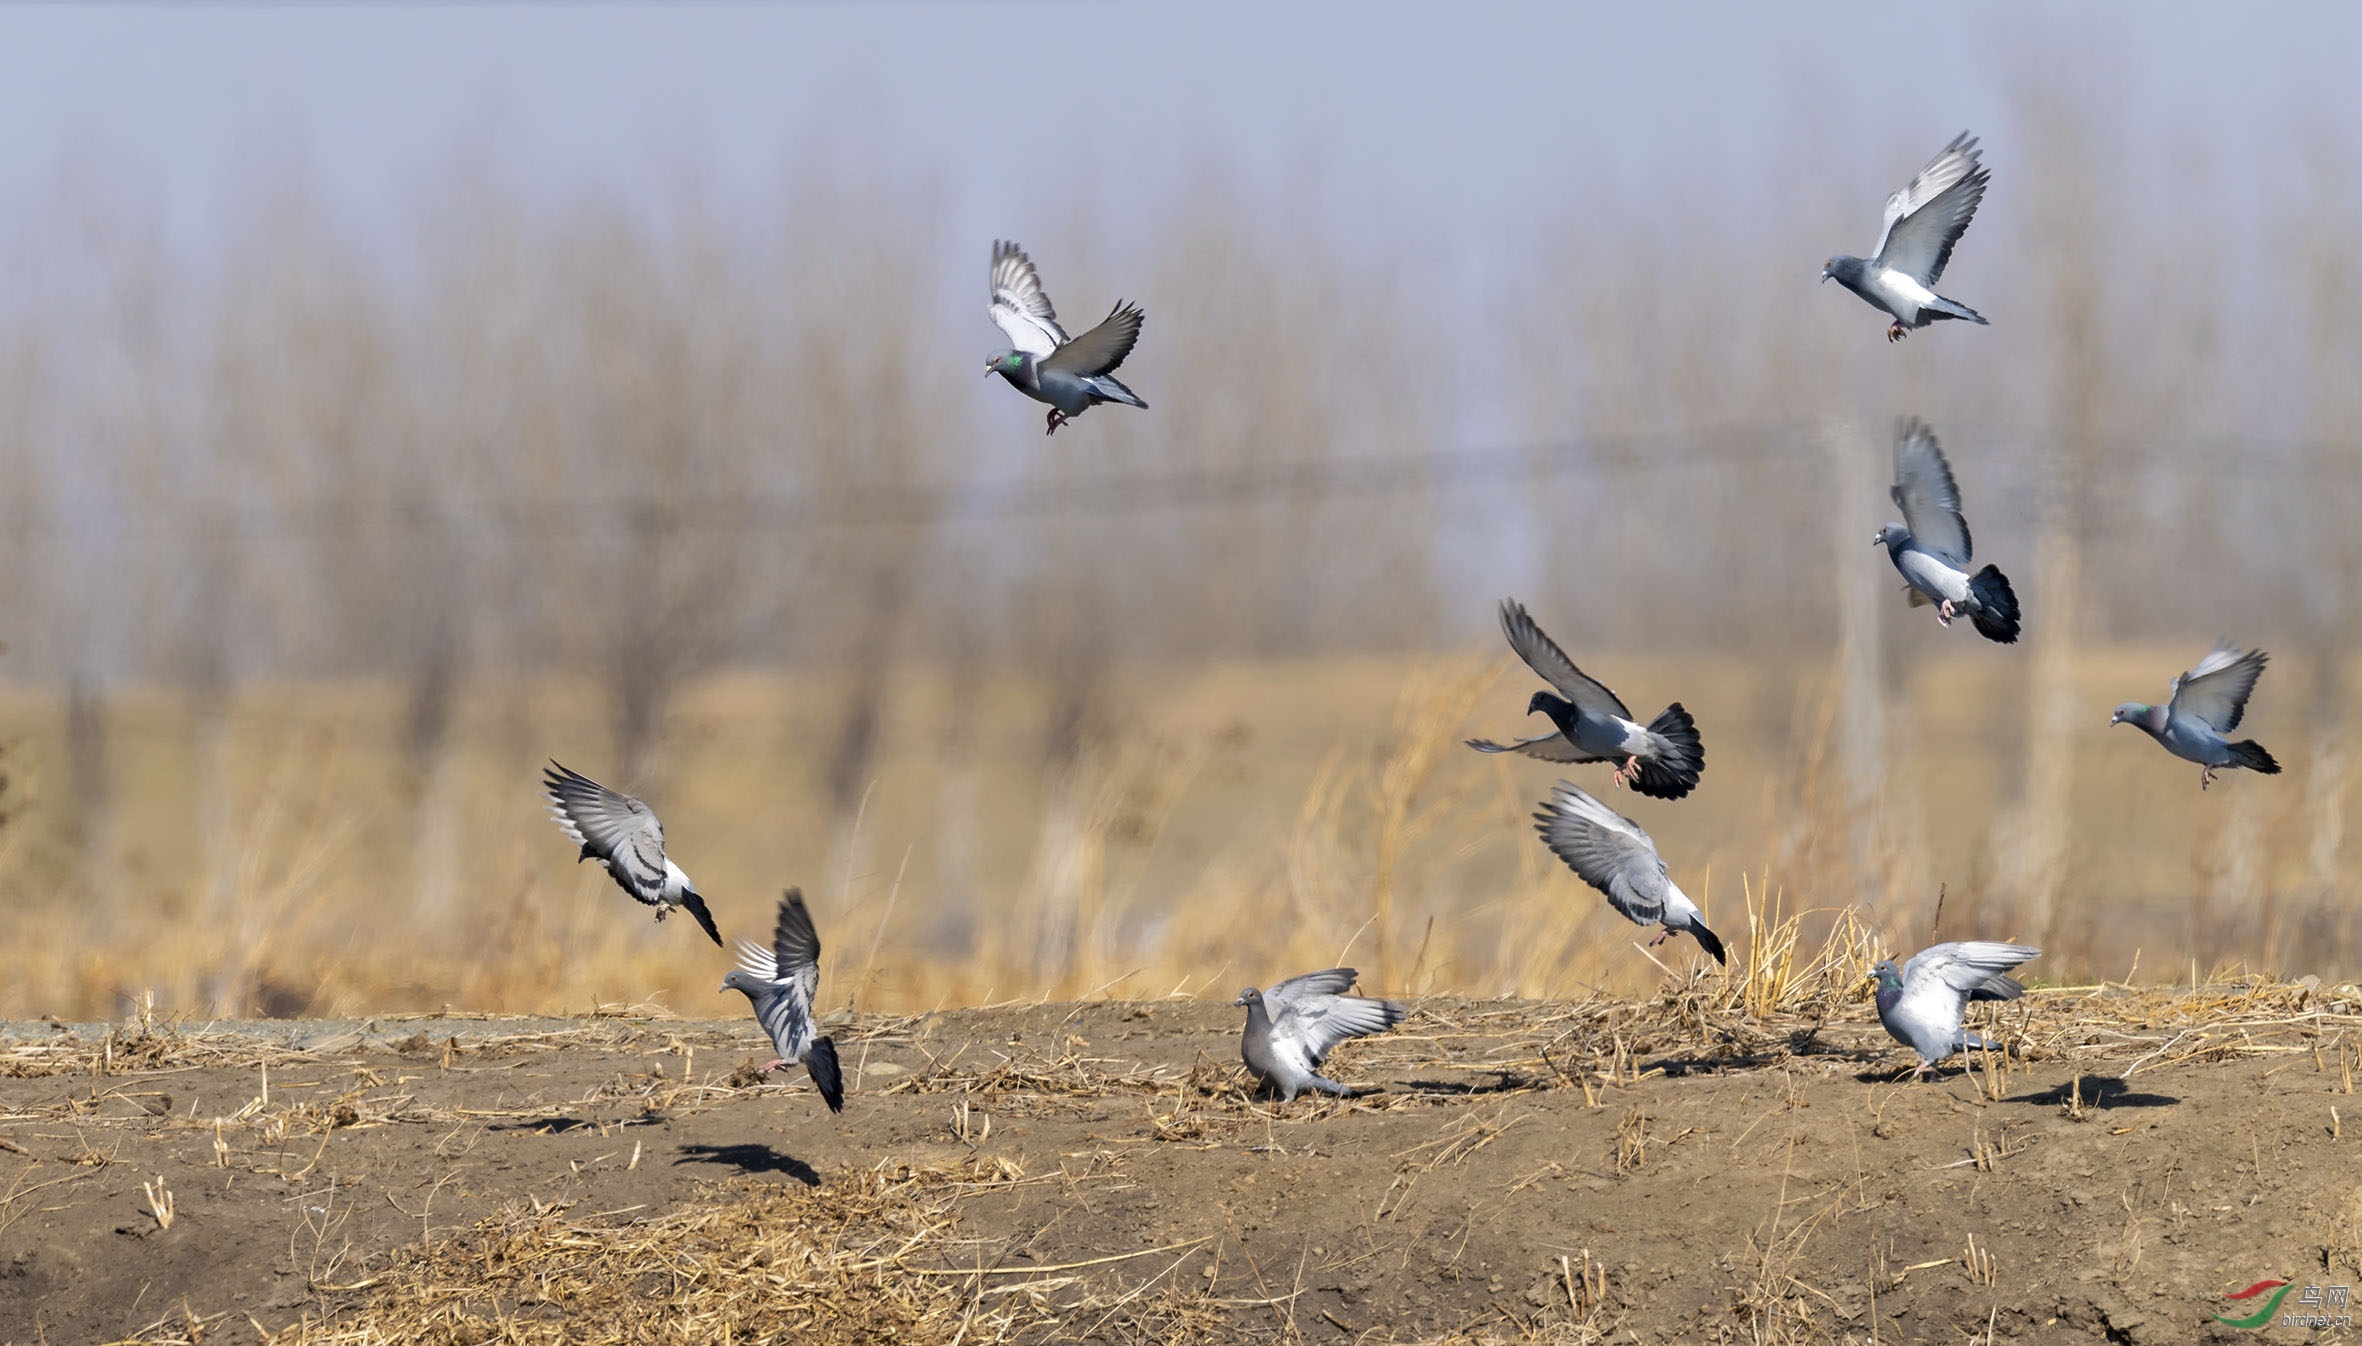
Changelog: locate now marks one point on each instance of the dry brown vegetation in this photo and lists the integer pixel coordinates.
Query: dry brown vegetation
(316, 556)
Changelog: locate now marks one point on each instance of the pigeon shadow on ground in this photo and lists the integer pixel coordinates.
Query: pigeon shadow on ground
(1503, 1082)
(2098, 1091)
(545, 1126)
(750, 1159)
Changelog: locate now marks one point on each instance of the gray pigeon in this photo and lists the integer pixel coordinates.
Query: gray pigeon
(2208, 702)
(1662, 760)
(780, 982)
(1923, 221)
(1921, 1005)
(621, 833)
(1072, 375)
(1931, 548)
(1611, 853)
(1292, 1027)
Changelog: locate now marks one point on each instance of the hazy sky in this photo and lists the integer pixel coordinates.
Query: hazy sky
(1440, 121)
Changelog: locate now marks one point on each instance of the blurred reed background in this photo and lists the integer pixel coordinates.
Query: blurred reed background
(319, 547)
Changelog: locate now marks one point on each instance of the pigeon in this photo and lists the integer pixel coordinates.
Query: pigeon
(1292, 1027)
(1921, 1004)
(1071, 374)
(780, 982)
(622, 833)
(1923, 221)
(1662, 761)
(1931, 548)
(1611, 853)
(2208, 702)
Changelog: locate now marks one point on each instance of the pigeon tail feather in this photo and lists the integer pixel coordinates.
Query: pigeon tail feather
(1996, 615)
(821, 1060)
(2250, 754)
(1674, 770)
(1110, 390)
(696, 906)
(1953, 308)
(1708, 942)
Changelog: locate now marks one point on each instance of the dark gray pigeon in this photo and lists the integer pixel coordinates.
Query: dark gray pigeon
(1921, 1005)
(2208, 703)
(1611, 853)
(1292, 1027)
(1923, 221)
(1662, 760)
(1931, 547)
(1072, 375)
(780, 982)
(622, 833)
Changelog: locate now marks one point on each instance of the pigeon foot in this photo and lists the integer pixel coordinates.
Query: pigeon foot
(2206, 778)
(1895, 331)
(1057, 418)
(1945, 613)
(774, 1065)
(1662, 936)
(1629, 771)
(662, 911)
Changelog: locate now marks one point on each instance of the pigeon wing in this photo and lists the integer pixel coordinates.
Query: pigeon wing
(1333, 981)
(1019, 305)
(1929, 215)
(1606, 850)
(1929, 498)
(1542, 655)
(1101, 349)
(2216, 691)
(614, 827)
(1320, 1022)
(795, 946)
(1964, 967)
(1551, 747)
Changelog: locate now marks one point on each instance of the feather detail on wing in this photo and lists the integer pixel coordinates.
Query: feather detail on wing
(614, 827)
(1550, 747)
(1606, 850)
(1542, 655)
(1020, 307)
(1927, 494)
(1104, 347)
(2216, 691)
(1928, 216)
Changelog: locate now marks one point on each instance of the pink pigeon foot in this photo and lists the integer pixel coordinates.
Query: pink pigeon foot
(1895, 332)
(774, 1065)
(1945, 613)
(2206, 778)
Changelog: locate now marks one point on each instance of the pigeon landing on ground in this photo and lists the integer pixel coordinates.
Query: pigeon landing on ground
(622, 833)
(1292, 1027)
(1611, 853)
(1923, 221)
(1072, 375)
(780, 982)
(1662, 760)
(2208, 703)
(1921, 1005)
(1931, 548)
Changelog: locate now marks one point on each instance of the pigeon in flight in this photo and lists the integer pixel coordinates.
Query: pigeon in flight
(1923, 221)
(1921, 1005)
(1292, 1028)
(1662, 760)
(2208, 702)
(1931, 548)
(622, 833)
(1071, 374)
(1611, 853)
(780, 982)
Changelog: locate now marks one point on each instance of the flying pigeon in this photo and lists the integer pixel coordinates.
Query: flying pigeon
(2208, 702)
(1662, 761)
(1071, 374)
(622, 833)
(1611, 853)
(1923, 221)
(1921, 1005)
(780, 982)
(1931, 548)
(1292, 1027)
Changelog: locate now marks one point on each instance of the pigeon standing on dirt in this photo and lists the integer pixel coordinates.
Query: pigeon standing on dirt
(780, 982)
(2208, 703)
(1662, 760)
(1292, 1027)
(1072, 375)
(1923, 221)
(1611, 853)
(1921, 1005)
(1931, 547)
(622, 833)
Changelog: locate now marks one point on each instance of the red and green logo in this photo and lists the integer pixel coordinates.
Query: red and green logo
(2263, 1315)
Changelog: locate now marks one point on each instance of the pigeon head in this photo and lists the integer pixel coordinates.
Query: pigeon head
(747, 982)
(2132, 712)
(1890, 984)
(1249, 996)
(1891, 536)
(1008, 363)
(1842, 269)
(1548, 704)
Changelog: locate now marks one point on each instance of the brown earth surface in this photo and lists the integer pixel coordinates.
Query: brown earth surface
(1599, 1171)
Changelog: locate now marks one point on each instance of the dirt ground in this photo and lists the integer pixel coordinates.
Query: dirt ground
(1523, 1172)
